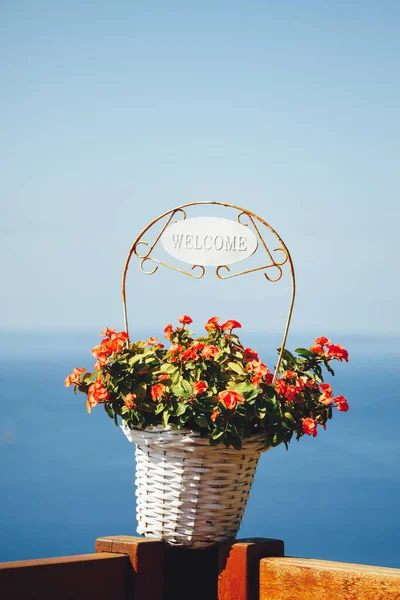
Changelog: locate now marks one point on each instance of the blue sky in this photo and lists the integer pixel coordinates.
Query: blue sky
(113, 112)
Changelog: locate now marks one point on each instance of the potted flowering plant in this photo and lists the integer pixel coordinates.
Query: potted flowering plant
(177, 403)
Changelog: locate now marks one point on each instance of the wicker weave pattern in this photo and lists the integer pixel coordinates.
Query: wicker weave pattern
(188, 492)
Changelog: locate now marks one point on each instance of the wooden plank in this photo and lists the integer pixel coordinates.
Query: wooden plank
(308, 579)
(239, 563)
(147, 559)
(89, 576)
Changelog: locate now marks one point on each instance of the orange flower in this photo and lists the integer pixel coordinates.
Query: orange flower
(215, 414)
(199, 387)
(290, 375)
(160, 346)
(337, 351)
(229, 325)
(117, 341)
(97, 393)
(309, 426)
(157, 391)
(257, 367)
(317, 349)
(163, 377)
(341, 403)
(107, 332)
(168, 331)
(74, 377)
(175, 348)
(310, 384)
(209, 352)
(130, 401)
(322, 341)
(230, 398)
(212, 324)
(151, 341)
(185, 320)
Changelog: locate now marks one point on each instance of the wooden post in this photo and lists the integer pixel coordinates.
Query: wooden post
(228, 571)
(147, 560)
(239, 565)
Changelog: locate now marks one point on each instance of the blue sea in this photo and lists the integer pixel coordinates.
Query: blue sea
(67, 477)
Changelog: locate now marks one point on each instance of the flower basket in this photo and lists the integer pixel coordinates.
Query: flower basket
(188, 492)
(202, 410)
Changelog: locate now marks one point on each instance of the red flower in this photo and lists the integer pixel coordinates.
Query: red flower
(74, 377)
(230, 398)
(212, 324)
(309, 426)
(337, 351)
(229, 325)
(151, 341)
(185, 320)
(199, 387)
(168, 331)
(326, 397)
(130, 401)
(280, 387)
(189, 354)
(157, 391)
(322, 341)
(326, 389)
(209, 352)
(197, 345)
(292, 393)
(249, 353)
(341, 403)
(215, 414)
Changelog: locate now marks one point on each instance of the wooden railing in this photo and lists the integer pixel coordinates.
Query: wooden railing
(130, 568)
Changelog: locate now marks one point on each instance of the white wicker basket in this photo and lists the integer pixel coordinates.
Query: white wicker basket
(188, 492)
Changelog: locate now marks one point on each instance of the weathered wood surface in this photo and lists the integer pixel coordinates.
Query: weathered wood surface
(239, 563)
(147, 559)
(90, 576)
(308, 579)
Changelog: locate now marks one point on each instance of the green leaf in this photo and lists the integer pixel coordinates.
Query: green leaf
(141, 392)
(305, 353)
(289, 417)
(159, 408)
(243, 388)
(217, 433)
(201, 420)
(236, 368)
(181, 409)
(178, 391)
(187, 386)
(168, 368)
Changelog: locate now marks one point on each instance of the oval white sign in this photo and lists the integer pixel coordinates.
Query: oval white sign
(209, 241)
